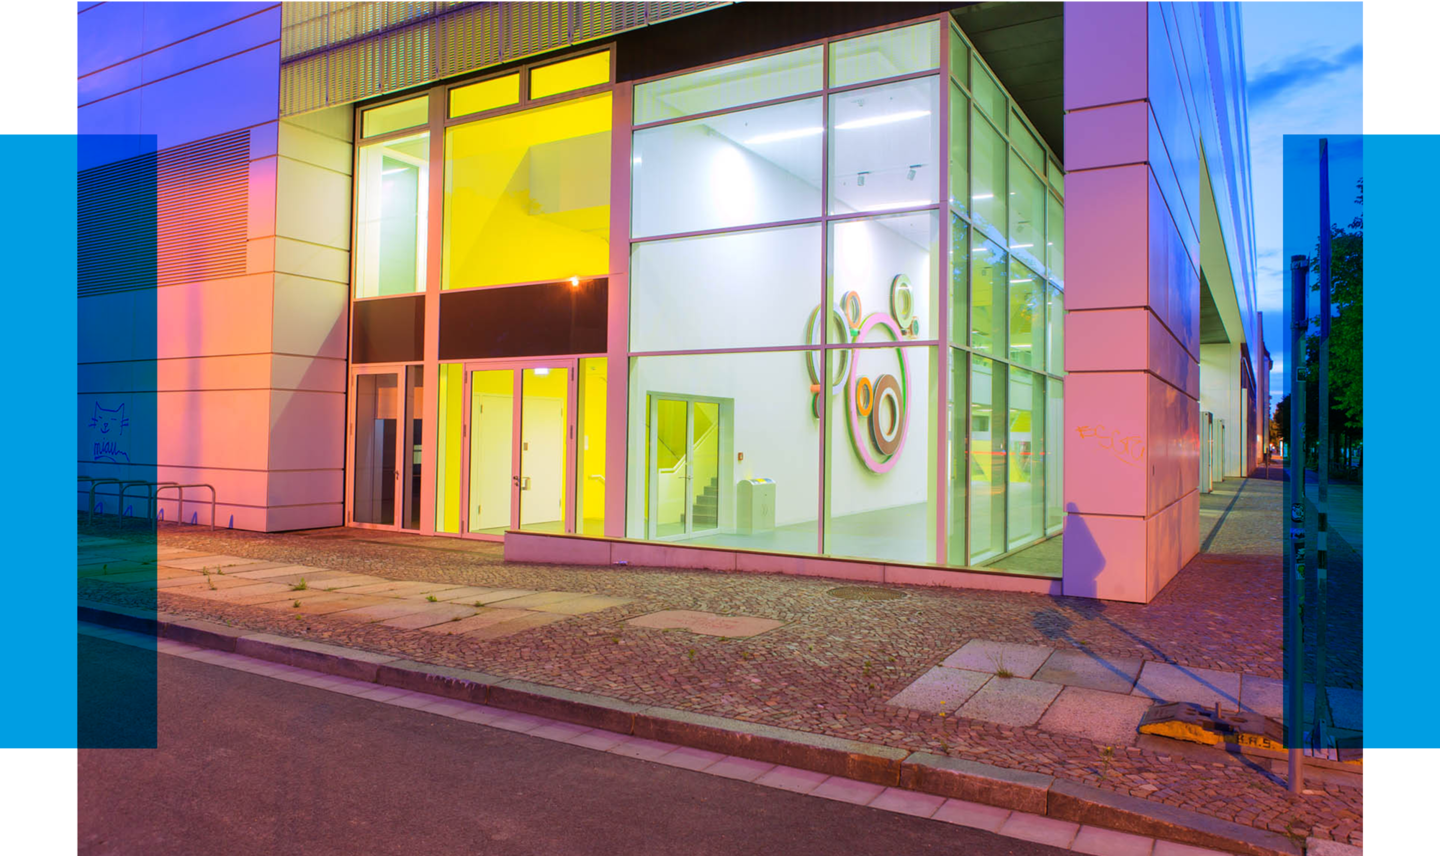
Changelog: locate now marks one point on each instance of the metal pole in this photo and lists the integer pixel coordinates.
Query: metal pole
(1322, 701)
(1295, 544)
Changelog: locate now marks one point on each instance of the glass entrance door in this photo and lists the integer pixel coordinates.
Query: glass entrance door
(520, 459)
(684, 467)
(375, 446)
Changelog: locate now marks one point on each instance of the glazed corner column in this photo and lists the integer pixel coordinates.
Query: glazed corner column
(1132, 329)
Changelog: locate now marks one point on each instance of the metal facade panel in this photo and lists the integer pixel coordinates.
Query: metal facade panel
(337, 53)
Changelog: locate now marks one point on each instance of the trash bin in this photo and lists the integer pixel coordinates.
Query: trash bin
(755, 510)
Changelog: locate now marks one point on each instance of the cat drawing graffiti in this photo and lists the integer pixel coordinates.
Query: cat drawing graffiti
(107, 433)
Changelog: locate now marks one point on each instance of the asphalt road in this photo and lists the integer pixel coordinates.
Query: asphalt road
(253, 765)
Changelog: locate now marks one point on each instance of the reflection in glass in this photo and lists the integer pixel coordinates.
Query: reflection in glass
(1025, 490)
(544, 448)
(989, 152)
(391, 217)
(492, 431)
(959, 57)
(377, 419)
(988, 272)
(527, 195)
(1027, 313)
(959, 281)
(736, 169)
(959, 149)
(986, 92)
(959, 461)
(1055, 325)
(1055, 236)
(883, 146)
(752, 81)
(1054, 460)
(987, 459)
(881, 454)
(724, 450)
(1027, 214)
(885, 54)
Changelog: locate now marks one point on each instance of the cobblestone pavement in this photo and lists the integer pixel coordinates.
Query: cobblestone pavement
(834, 663)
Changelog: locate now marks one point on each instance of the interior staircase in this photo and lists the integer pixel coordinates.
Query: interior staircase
(707, 507)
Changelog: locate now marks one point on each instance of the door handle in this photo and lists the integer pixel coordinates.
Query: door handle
(515, 480)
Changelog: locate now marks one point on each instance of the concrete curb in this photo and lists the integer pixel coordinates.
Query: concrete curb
(1017, 790)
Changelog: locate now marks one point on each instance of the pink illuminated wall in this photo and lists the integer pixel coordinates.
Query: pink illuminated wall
(1132, 329)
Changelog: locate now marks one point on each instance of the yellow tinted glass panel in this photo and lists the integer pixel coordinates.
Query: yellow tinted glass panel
(485, 95)
(394, 117)
(570, 75)
(527, 195)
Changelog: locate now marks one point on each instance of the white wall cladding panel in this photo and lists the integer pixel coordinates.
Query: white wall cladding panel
(370, 49)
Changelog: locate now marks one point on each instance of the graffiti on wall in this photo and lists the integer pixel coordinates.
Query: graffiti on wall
(108, 440)
(1129, 450)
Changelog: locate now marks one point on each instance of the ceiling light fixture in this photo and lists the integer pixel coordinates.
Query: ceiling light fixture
(885, 119)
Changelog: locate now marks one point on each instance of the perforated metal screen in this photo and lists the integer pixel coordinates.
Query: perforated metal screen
(336, 53)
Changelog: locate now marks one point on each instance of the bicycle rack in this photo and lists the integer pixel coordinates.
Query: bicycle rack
(94, 483)
(151, 501)
(180, 489)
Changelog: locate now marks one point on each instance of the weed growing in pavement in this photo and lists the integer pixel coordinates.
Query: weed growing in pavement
(1296, 836)
(295, 605)
(1107, 755)
(745, 655)
(477, 603)
(300, 586)
(454, 618)
(692, 655)
(432, 598)
(211, 583)
(865, 669)
(615, 639)
(998, 661)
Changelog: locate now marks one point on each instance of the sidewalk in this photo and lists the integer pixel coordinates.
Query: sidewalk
(916, 672)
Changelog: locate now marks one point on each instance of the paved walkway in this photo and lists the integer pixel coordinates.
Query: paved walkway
(824, 664)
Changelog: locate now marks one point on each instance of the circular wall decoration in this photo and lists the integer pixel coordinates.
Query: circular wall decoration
(812, 358)
(864, 396)
(850, 302)
(902, 301)
(887, 417)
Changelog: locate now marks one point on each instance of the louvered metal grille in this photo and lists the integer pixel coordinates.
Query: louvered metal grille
(164, 219)
(337, 53)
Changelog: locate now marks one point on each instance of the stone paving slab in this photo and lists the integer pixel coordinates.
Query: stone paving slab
(346, 582)
(387, 609)
(499, 594)
(212, 583)
(1041, 830)
(1205, 687)
(1109, 842)
(706, 623)
(1011, 701)
(485, 617)
(196, 563)
(277, 570)
(539, 599)
(177, 582)
(1075, 668)
(312, 578)
(1109, 719)
(324, 603)
(255, 597)
(236, 593)
(506, 628)
(972, 814)
(1266, 696)
(580, 606)
(982, 655)
(433, 614)
(941, 690)
(454, 594)
(398, 589)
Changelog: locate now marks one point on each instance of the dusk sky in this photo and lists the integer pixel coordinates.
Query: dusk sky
(1303, 61)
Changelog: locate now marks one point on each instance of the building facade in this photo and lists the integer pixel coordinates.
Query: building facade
(955, 294)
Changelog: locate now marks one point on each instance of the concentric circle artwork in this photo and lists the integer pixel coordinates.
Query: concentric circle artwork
(877, 411)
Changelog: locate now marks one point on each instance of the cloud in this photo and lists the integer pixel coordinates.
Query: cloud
(1299, 71)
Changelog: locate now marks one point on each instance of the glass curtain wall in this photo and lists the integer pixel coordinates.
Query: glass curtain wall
(1007, 272)
(786, 350)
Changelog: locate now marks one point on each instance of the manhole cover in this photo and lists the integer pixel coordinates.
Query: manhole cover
(865, 593)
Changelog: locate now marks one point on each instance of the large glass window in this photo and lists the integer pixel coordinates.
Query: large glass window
(1027, 214)
(989, 268)
(1055, 237)
(391, 206)
(737, 84)
(988, 96)
(987, 459)
(883, 146)
(880, 454)
(1054, 442)
(449, 451)
(569, 75)
(736, 169)
(485, 95)
(883, 276)
(1025, 485)
(1055, 326)
(527, 195)
(590, 492)
(1027, 314)
(959, 149)
(959, 281)
(703, 292)
(988, 193)
(395, 117)
(724, 450)
(958, 477)
(890, 53)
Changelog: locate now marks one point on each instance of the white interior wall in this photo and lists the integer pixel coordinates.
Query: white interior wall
(1221, 394)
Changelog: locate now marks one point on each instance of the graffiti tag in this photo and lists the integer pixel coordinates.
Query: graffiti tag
(1127, 450)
